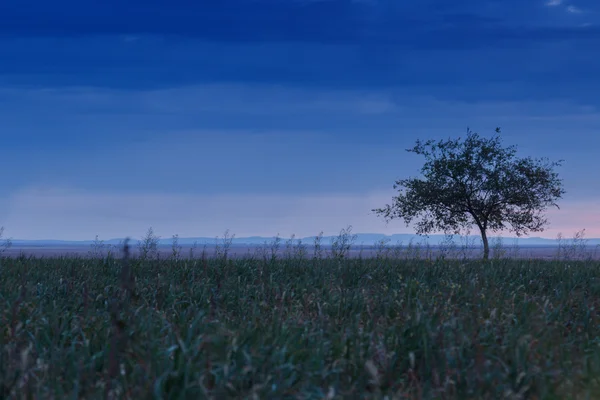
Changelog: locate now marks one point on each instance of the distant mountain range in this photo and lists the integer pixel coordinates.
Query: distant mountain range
(366, 239)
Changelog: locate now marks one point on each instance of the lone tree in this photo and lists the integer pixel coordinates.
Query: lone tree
(476, 181)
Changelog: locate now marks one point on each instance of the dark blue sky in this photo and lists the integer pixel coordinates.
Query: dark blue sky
(277, 116)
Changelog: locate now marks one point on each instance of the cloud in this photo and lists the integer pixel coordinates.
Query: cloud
(519, 62)
(554, 3)
(574, 10)
(431, 25)
(272, 100)
(234, 98)
(131, 38)
(67, 213)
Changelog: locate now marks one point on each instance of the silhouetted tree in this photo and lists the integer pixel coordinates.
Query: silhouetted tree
(476, 181)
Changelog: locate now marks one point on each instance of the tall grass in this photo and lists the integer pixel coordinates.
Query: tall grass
(291, 325)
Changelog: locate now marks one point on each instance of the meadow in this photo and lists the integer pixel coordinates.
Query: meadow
(298, 325)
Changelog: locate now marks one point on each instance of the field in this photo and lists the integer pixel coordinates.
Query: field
(278, 327)
(241, 251)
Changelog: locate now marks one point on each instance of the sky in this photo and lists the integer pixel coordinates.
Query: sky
(285, 117)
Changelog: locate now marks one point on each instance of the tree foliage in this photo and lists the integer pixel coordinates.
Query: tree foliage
(476, 181)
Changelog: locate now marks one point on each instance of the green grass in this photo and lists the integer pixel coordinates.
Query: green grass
(299, 328)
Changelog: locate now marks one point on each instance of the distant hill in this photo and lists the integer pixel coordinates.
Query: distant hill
(367, 239)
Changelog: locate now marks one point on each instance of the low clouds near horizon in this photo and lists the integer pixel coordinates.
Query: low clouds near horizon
(69, 214)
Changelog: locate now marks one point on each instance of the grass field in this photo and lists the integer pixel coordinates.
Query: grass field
(299, 327)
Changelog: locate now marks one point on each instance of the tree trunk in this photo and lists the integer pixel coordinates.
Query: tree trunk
(486, 245)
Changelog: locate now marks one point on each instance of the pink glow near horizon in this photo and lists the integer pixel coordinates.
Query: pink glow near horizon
(573, 217)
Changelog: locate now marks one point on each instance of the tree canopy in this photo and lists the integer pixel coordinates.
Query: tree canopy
(476, 181)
